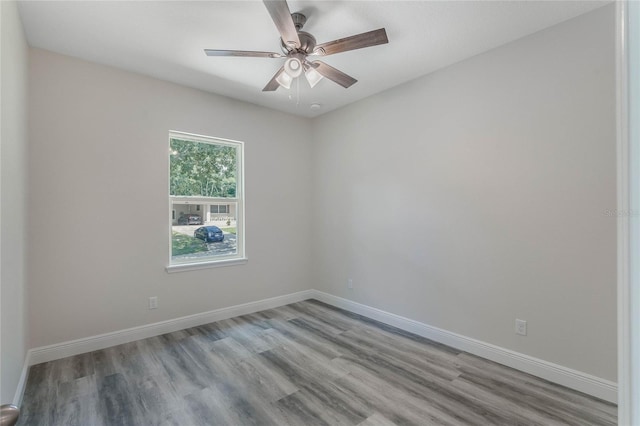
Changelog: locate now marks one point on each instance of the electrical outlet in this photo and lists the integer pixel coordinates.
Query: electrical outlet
(153, 302)
(521, 327)
(350, 284)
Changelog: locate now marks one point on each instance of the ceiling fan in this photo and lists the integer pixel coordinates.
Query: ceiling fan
(297, 45)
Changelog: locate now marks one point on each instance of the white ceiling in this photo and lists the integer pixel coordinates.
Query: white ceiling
(165, 39)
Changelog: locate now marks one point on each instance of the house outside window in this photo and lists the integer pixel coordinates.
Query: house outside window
(206, 201)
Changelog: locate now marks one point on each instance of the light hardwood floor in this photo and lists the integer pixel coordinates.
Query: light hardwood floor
(303, 364)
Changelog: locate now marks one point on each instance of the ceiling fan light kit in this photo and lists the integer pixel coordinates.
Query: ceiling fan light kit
(293, 67)
(297, 45)
(284, 80)
(313, 76)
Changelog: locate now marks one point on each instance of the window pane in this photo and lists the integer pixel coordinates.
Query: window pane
(202, 169)
(199, 238)
(205, 190)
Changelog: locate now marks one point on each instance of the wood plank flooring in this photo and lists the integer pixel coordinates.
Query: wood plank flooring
(302, 364)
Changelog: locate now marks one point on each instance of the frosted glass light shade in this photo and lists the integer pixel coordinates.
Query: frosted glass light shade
(284, 80)
(313, 76)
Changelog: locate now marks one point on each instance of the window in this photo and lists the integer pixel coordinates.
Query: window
(219, 209)
(205, 190)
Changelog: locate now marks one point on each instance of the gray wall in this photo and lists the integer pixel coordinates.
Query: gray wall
(99, 141)
(477, 195)
(13, 188)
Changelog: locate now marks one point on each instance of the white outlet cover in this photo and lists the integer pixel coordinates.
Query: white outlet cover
(153, 302)
(521, 327)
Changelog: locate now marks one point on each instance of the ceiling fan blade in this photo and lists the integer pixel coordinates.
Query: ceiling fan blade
(333, 74)
(279, 11)
(273, 85)
(245, 53)
(359, 41)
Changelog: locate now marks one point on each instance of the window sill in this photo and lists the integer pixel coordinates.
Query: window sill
(204, 265)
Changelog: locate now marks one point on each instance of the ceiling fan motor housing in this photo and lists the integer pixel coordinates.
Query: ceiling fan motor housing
(307, 41)
(307, 44)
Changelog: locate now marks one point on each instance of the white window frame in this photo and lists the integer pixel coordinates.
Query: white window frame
(235, 259)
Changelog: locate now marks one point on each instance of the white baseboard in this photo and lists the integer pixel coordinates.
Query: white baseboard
(570, 378)
(555, 373)
(22, 383)
(102, 341)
